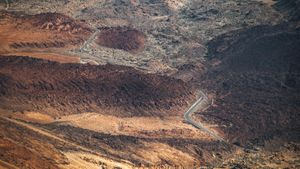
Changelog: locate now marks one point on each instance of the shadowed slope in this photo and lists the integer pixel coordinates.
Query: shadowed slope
(256, 82)
(70, 88)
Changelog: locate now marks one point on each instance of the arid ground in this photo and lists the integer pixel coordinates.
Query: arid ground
(164, 84)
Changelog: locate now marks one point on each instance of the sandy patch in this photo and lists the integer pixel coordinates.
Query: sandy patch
(35, 117)
(137, 126)
(79, 160)
(176, 4)
(48, 56)
(157, 153)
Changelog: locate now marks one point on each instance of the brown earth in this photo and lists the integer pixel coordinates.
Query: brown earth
(152, 152)
(58, 89)
(40, 33)
(144, 112)
(123, 38)
(63, 110)
(26, 148)
(61, 58)
(147, 127)
(72, 147)
(32, 147)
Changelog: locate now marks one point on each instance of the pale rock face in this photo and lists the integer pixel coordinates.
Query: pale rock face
(268, 2)
(175, 4)
(135, 2)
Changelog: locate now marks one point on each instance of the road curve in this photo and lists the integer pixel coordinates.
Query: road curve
(200, 105)
(89, 41)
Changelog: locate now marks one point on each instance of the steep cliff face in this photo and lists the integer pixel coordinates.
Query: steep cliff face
(73, 88)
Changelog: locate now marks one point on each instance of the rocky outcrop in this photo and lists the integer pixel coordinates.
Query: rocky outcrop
(40, 31)
(59, 22)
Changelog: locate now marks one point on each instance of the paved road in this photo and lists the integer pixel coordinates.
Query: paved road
(198, 106)
(88, 41)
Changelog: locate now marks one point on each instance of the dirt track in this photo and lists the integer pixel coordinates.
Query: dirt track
(123, 164)
(5, 165)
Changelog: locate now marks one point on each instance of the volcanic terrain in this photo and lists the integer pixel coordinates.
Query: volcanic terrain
(149, 84)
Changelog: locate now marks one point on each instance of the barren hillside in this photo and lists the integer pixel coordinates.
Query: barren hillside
(256, 83)
(149, 84)
(36, 85)
(44, 35)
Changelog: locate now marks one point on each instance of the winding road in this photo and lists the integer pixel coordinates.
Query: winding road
(89, 41)
(200, 105)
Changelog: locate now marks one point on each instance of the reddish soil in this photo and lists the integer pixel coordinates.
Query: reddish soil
(123, 38)
(49, 56)
(42, 32)
(58, 22)
(27, 149)
(47, 21)
(51, 87)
